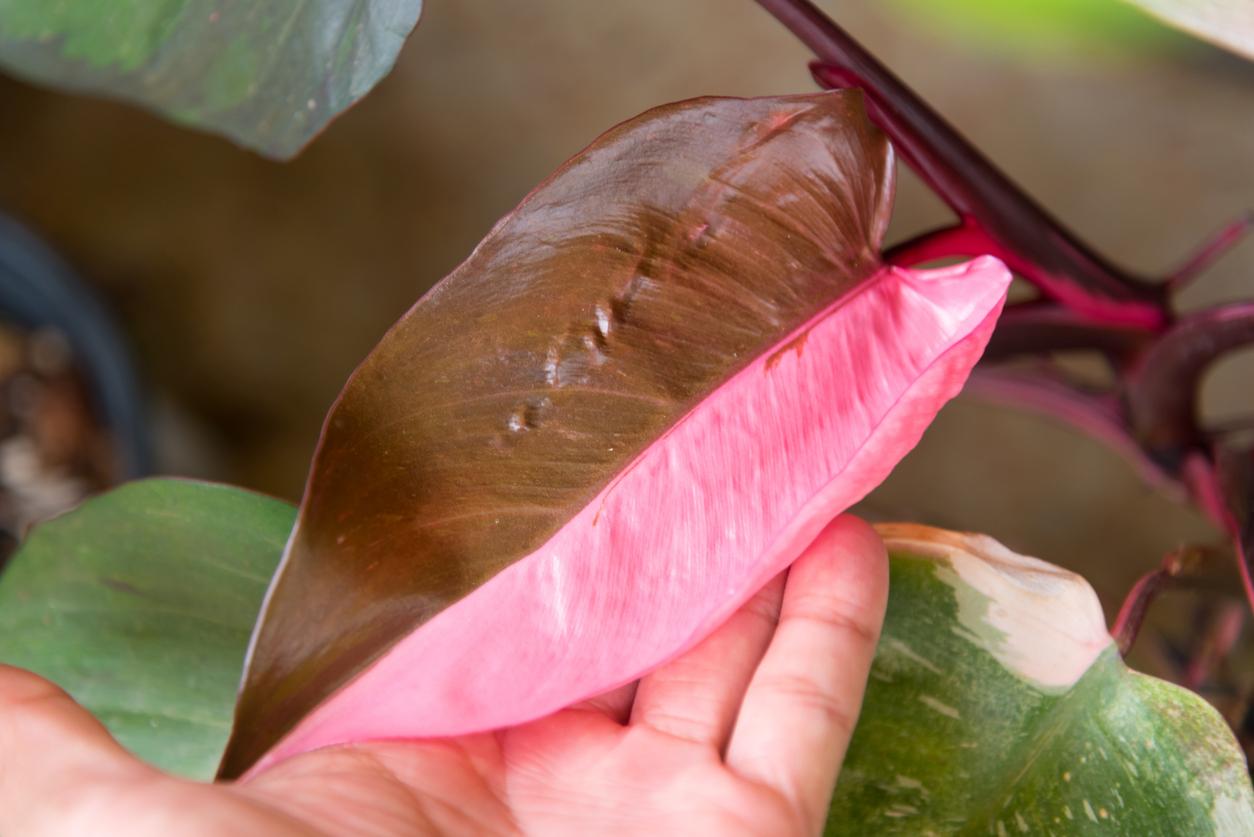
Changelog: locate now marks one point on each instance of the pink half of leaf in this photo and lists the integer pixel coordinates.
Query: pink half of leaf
(709, 512)
(606, 427)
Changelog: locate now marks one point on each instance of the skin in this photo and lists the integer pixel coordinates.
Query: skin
(744, 734)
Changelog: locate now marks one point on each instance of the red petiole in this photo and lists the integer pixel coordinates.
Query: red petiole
(1158, 358)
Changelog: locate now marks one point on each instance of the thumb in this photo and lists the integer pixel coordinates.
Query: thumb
(53, 752)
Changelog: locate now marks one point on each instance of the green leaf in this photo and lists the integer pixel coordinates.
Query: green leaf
(999, 705)
(140, 602)
(1228, 23)
(269, 75)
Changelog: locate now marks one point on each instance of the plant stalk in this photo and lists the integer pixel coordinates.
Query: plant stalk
(997, 215)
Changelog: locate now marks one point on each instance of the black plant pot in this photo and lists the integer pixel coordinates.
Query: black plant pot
(39, 290)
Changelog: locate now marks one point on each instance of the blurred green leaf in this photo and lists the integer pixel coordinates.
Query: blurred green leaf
(140, 604)
(998, 705)
(1045, 28)
(269, 75)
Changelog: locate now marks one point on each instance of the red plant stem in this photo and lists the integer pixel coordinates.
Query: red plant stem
(1218, 641)
(1162, 390)
(1210, 251)
(1152, 414)
(1136, 604)
(962, 239)
(1242, 545)
(1039, 327)
(1230, 510)
(1015, 228)
(1095, 414)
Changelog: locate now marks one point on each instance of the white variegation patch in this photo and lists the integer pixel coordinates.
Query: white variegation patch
(1042, 622)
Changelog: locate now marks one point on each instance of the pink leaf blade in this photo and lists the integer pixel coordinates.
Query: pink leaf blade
(714, 508)
(624, 290)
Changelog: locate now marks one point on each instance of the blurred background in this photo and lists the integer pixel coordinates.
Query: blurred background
(247, 290)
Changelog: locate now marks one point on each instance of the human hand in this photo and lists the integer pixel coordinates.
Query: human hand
(745, 734)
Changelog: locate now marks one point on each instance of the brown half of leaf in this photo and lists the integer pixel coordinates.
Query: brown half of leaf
(627, 287)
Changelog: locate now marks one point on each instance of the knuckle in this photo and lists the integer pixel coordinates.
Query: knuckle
(833, 615)
(679, 724)
(803, 694)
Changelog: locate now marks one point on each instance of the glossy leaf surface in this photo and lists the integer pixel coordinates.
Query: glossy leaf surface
(1228, 23)
(998, 705)
(641, 396)
(139, 603)
(269, 75)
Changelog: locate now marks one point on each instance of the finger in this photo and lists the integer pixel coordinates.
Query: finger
(50, 749)
(801, 706)
(614, 704)
(696, 696)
